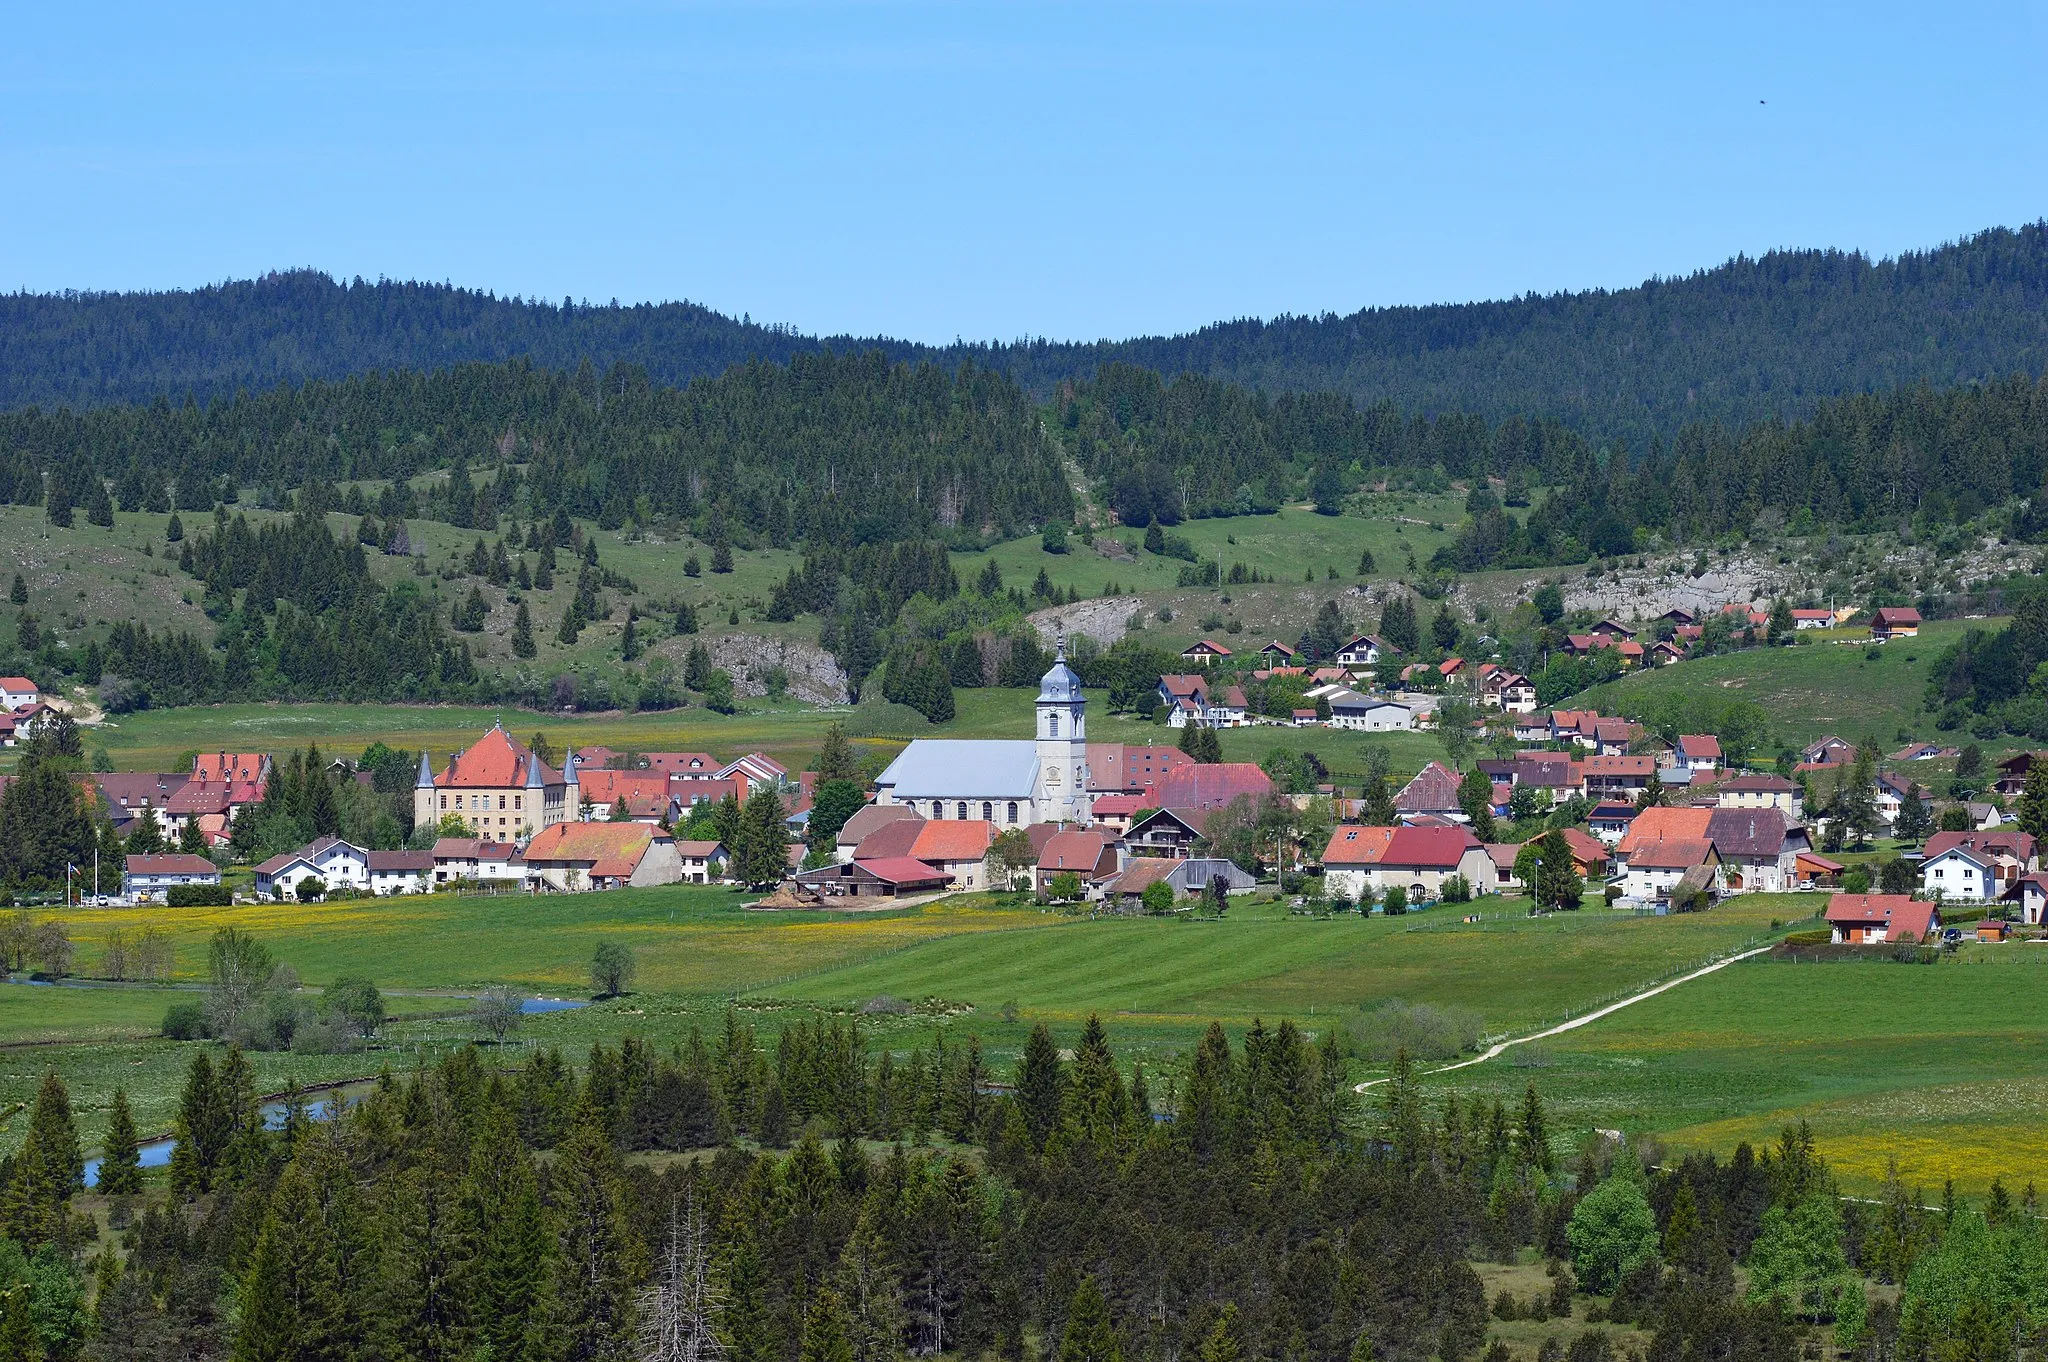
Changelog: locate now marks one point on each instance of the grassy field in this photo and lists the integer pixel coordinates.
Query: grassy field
(1811, 690)
(789, 732)
(1943, 1067)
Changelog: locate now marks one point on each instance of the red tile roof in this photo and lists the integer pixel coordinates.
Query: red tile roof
(645, 792)
(1434, 790)
(1073, 850)
(1664, 824)
(227, 766)
(1357, 846)
(495, 761)
(613, 850)
(890, 840)
(1678, 853)
(900, 870)
(1896, 913)
(1212, 786)
(172, 863)
(1428, 848)
(952, 839)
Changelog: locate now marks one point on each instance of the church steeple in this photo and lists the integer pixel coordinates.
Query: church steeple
(1062, 741)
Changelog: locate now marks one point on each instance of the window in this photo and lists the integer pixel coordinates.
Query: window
(988, 812)
(444, 801)
(1013, 811)
(501, 804)
(518, 801)
(1053, 720)
(938, 808)
(963, 811)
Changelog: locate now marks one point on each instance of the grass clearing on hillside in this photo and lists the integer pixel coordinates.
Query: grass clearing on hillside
(1810, 690)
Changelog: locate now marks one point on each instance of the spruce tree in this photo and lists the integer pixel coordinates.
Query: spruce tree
(825, 1330)
(522, 632)
(200, 1130)
(1041, 1082)
(120, 1158)
(835, 757)
(721, 556)
(760, 859)
(1089, 1335)
(686, 618)
(48, 1169)
(629, 639)
(507, 1248)
(599, 1264)
(17, 594)
(99, 509)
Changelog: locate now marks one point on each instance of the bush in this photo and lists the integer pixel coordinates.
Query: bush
(1457, 890)
(1423, 1030)
(1396, 901)
(185, 1021)
(198, 896)
(311, 888)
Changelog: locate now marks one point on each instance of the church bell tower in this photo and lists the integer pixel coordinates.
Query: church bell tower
(1062, 743)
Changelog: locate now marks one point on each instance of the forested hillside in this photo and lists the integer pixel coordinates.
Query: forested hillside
(1749, 339)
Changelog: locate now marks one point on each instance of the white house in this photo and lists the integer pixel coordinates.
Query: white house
(703, 862)
(1227, 708)
(149, 877)
(1365, 651)
(1369, 715)
(400, 872)
(1959, 874)
(333, 862)
(472, 858)
(18, 692)
(1655, 868)
(2031, 893)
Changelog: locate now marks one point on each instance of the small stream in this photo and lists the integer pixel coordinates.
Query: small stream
(322, 1105)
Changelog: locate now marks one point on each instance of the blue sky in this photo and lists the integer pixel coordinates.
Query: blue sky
(1002, 170)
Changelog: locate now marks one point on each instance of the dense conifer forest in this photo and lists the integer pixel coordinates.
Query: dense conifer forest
(1749, 339)
(856, 1206)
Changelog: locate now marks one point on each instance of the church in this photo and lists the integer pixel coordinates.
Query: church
(1009, 782)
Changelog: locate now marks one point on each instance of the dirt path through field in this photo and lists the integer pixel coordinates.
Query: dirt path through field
(1495, 1051)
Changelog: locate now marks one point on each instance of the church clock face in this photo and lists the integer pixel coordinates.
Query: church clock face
(1052, 775)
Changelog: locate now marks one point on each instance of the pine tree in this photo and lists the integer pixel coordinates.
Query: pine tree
(57, 507)
(686, 618)
(99, 509)
(17, 594)
(1040, 1084)
(120, 1159)
(825, 1330)
(572, 625)
(721, 556)
(1222, 1344)
(522, 633)
(629, 639)
(18, 1338)
(747, 1328)
(2031, 811)
(760, 859)
(1532, 1141)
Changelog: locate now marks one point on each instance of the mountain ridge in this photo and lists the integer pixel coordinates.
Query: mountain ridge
(1750, 338)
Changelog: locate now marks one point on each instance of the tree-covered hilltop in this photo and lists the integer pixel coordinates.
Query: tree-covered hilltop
(1750, 338)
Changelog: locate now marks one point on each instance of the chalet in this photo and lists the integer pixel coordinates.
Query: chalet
(1367, 650)
(1450, 668)
(1678, 617)
(1366, 714)
(1894, 621)
(1532, 728)
(1610, 822)
(1828, 751)
(1204, 654)
(333, 862)
(1185, 698)
(1891, 795)
(885, 878)
(1613, 737)
(1873, 919)
(1924, 751)
(1811, 870)
(1663, 653)
(2030, 892)
(1165, 832)
(1278, 654)
(571, 857)
(1421, 860)
(18, 692)
(1813, 619)
(1089, 856)
(958, 847)
(399, 872)
(703, 862)
(1505, 690)
(1503, 855)
(869, 819)
(1759, 790)
(1227, 708)
(1303, 718)
(1698, 751)
(149, 878)
(1656, 868)
(2012, 772)
(1589, 854)
(1662, 824)
(478, 860)
(1614, 629)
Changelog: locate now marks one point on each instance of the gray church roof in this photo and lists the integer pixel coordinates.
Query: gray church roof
(960, 768)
